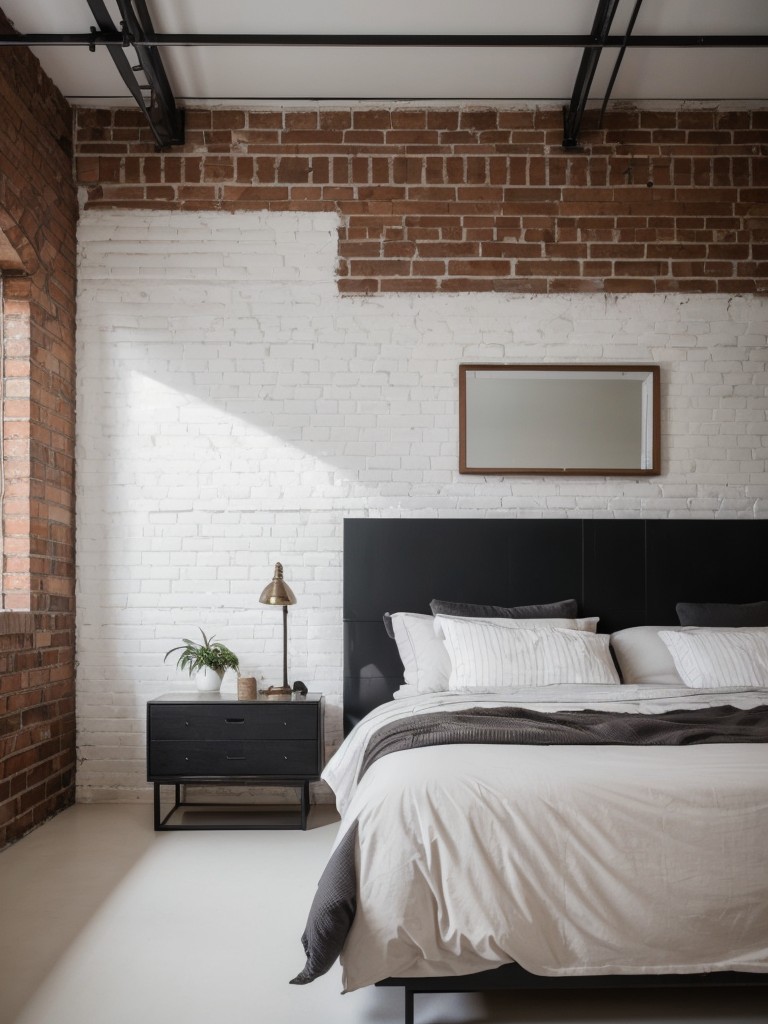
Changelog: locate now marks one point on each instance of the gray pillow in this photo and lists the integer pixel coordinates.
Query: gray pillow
(557, 610)
(755, 614)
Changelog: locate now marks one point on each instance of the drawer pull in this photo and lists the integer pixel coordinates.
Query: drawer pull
(235, 721)
(235, 757)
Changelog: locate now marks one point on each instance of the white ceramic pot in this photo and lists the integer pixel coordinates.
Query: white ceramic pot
(208, 680)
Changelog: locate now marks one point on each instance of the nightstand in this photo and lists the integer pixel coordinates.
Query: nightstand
(206, 738)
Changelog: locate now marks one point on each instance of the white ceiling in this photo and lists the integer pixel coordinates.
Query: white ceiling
(246, 74)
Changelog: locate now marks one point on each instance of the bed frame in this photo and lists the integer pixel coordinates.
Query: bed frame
(512, 977)
(630, 572)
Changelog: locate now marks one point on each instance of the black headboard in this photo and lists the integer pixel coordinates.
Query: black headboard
(630, 572)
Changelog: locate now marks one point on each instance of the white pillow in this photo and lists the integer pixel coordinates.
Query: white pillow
(485, 655)
(712, 658)
(425, 660)
(643, 657)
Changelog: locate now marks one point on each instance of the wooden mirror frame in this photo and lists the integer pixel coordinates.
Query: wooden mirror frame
(593, 368)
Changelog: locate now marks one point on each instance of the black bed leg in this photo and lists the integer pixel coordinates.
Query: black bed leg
(409, 994)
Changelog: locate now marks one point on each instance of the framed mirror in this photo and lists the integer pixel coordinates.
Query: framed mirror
(579, 419)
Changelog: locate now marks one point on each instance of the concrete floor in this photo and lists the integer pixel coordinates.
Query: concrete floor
(103, 921)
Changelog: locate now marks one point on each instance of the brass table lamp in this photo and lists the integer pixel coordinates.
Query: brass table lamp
(279, 593)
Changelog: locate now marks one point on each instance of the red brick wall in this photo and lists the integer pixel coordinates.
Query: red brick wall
(38, 214)
(471, 199)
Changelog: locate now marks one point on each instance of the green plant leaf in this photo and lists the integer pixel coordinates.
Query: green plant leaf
(195, 656)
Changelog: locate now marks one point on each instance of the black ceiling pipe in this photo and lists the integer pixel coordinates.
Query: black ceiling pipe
(115, 38)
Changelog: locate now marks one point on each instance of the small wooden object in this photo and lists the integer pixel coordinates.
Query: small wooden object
(246, 688)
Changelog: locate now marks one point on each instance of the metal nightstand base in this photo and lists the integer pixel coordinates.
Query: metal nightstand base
(298, 821)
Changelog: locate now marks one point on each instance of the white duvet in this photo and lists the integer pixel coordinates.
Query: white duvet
(566, 859)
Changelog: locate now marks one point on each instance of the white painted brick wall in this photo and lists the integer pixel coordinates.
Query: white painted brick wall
(233, 409)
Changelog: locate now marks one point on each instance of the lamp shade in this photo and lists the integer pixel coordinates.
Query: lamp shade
(277, 591)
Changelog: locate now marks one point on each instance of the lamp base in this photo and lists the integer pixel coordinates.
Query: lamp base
(277, 691)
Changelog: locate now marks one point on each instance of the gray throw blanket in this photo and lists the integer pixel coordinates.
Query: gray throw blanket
(332, 911)
(547, 728)
(335, 902)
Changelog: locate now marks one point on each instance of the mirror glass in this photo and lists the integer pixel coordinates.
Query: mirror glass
(579, 419)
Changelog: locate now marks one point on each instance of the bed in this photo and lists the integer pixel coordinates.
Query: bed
(578, 858)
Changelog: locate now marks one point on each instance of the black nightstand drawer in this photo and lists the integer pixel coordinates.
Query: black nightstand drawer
(233, 722)
(209, 739)
(219, 760)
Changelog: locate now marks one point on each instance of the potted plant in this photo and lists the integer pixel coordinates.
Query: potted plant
(207, 661)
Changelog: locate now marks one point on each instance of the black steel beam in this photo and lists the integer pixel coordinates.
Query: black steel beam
(165, 118)
(619, 59)
(116, 49)
(162, 115)
(154, 39)
(573, 113)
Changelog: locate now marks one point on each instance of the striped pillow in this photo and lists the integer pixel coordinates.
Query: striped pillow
(486, 655)
(714, 658)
